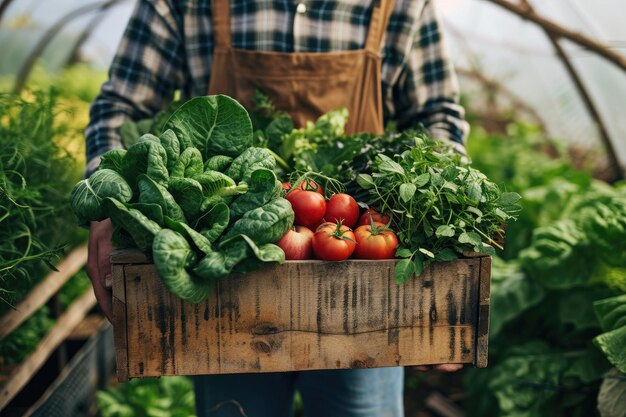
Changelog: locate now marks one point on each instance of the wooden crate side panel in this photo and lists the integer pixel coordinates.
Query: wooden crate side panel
(484, 300)
(294, 317)
(119, 321)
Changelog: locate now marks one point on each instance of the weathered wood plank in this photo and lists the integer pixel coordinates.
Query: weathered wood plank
(303, 315)
(119, 321)
(482, 327)
(39, 295)
(129, 256)
(21, 374)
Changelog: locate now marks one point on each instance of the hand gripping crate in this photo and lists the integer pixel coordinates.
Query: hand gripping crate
(301, 315)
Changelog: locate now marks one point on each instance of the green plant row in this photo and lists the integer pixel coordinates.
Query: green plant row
(558, 320)
(36, 176)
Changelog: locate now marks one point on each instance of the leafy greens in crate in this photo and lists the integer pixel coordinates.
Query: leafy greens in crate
(199, 197)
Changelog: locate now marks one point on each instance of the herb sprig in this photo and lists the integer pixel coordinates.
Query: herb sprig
(439, 205)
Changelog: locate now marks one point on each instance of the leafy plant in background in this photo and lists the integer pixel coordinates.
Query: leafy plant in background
(199, 198)
(163, 397)
(15, 347)
(36, 176)
(556, 290)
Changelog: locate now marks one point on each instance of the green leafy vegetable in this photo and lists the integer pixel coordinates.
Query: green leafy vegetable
(138, 226)
(87, 196)
(174, 258)
(145, 157)
(216, 125)
(151, 192)
(439, 204)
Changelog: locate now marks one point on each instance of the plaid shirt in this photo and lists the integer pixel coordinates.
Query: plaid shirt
(168, 46)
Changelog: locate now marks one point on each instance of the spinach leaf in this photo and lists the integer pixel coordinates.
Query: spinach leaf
(200, 242)
(136, 224)
(240, 254)
(173, 258)
(214, 183)
(263, 187)
(145, 157)
(112, 160)
(611, 313)
(188, 165)
(214, 221)
(249, 161)
(151, 192)
(216, 125)
(218, 163)
(188, 194)
(170, 143)
(86, 197)
(150, 210)
(219, 265)
(264, 224)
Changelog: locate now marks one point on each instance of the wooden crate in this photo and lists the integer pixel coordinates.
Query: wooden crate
(301, 315)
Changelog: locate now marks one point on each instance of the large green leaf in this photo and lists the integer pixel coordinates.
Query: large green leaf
(200, 242)
(250, 160)
(263, 186)
(87, 195)
(172, 257)
(264, 224)
(112, 160)
(145, 157)
(150, 192)
(512, 293)
(171, 144)
(135, 223)
(216, 125)
(611, 314)
(188, 194)
(214, 221)
(188, 165)
(559, 256)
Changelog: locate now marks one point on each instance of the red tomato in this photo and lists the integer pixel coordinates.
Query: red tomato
(333, 242)
(306, 185)
(308, 206)
(375, 242)
(297, 243)
(376, 216)
(342, 207)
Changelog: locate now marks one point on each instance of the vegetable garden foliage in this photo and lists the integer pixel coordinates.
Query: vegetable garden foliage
(199, 198)
(37, 173)
(558, 318)
(169, 396)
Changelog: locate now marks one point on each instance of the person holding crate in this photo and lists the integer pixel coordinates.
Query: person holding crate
(382, 60)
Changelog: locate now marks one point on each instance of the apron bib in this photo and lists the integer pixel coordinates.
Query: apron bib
(306, 85)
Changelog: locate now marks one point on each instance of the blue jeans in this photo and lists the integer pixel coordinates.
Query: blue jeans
(335, 393)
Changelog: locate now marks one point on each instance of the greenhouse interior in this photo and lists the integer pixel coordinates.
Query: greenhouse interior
(229, 254)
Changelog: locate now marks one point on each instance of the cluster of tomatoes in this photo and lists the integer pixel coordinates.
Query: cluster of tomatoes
(323, 229)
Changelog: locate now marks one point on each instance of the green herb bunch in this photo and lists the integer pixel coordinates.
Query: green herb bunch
(440, 206)
(36, 176)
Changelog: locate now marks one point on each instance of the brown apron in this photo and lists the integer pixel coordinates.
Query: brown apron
(305, 84)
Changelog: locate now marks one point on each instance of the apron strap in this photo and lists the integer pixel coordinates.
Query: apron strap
(221, 23)
(378, 24)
